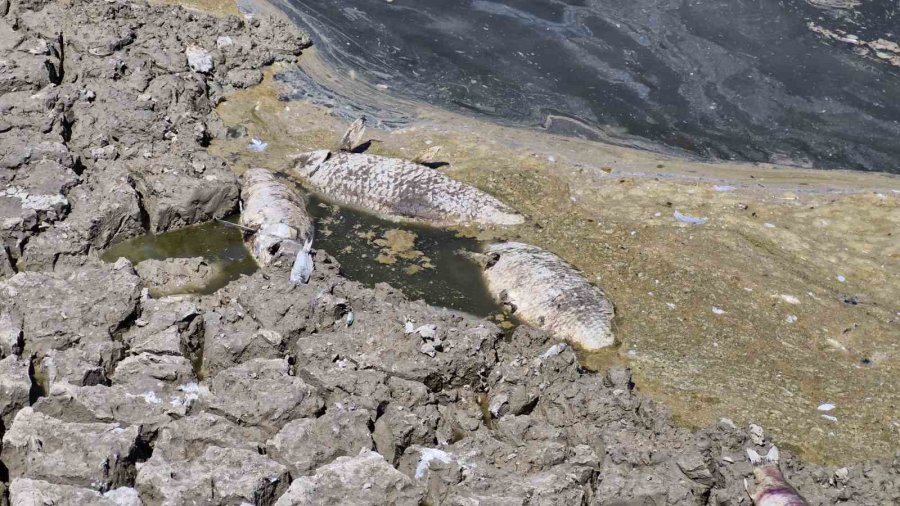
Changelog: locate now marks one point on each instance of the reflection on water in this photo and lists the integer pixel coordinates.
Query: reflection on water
(219, 244)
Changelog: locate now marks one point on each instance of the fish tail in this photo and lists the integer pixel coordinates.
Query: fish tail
(307, 246)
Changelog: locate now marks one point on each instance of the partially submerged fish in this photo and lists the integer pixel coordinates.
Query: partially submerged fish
(275, 214)
(400, 189)
(771, 487)
(548, 293)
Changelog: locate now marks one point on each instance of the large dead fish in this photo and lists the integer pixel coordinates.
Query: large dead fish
(275, 214)
(771, 487)
(548, 293)
(400, 189)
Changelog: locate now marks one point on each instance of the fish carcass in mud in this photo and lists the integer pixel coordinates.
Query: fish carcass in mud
(548, 293)
(399, 189)
(771, 487)
(274, 214)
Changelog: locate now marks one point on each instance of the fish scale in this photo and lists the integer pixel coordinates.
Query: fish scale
(400, 189)
(551, 294)
(277, 214)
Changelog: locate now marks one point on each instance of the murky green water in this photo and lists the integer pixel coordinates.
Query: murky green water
(433, 270)
(429, 268)
(219, 244)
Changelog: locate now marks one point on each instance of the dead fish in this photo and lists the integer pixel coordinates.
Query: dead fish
(547, 292)
(354, 135)
(427, 155)
(771, 487)
(276, 213)
(399, 189)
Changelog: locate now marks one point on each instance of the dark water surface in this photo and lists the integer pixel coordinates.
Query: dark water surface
(731, 79)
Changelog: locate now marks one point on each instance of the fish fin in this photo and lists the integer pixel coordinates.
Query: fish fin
(754, 457)
(353, 135)
(303, 267)
(773, 455)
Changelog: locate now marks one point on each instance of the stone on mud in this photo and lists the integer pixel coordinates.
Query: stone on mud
(263, 393)
(100, 456)
(27, 492)
(176, 275)
(11, 342)
(305, 444)
(364, 479)
(170, 325)
(231, 339)
(60, 311)
(174, 196)
(15, 388)
(187, 437)
(215, 476)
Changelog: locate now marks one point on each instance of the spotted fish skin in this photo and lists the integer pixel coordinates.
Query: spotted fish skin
(401, 190)
(549, 293)
(772, 488)
(277, 213)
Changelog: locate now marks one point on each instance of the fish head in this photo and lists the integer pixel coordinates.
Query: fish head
(306, 164)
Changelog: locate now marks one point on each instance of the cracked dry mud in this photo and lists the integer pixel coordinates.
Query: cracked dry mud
(264, 392)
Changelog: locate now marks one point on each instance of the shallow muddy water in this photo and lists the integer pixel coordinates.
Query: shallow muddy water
(421, 261)
(424, 262)
(219, 244)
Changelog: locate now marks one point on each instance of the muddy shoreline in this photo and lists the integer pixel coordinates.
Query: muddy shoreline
(265, 392)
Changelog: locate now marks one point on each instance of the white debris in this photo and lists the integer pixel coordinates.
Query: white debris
(427, 331)
(257, 145)
(427, 456)
(554, 350)
(791, 318)
(790, 299)
(830, 418)
(718, 310)
(825, 407)
(350, 318)
(409, 327)
(199, 59)
(723, 188)
(841, 279)
(683, 218)
(768, 225)
(149, 397)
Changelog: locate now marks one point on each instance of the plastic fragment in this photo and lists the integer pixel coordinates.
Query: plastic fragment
(257, 145)
(554, 350)
(683, 218)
